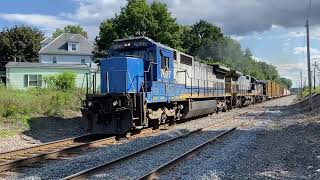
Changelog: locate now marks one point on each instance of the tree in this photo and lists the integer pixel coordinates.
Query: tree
(203, 35)
(138, 18)
(74, 29)
(165, 28)
(285, 82)
(20, 43)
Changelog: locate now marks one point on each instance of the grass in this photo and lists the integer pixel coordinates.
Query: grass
(17, 107)
(306, 91)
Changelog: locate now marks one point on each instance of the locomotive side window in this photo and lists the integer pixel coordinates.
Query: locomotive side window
(185, 60)
(175, 55)
(151, 56)
(164, 62)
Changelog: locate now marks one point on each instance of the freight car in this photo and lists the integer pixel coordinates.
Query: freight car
(145, 83)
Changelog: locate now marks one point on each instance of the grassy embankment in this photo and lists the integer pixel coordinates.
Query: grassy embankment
(17, 107)
(306, 91)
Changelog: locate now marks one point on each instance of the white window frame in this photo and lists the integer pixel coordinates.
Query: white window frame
(74, 45)
(38, 79)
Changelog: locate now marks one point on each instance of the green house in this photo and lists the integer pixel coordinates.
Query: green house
(22, 75)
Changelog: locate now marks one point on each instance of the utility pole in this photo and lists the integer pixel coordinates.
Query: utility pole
(309, 68)
(314, 75)
(301, 85)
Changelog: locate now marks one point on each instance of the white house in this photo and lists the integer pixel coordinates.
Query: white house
(66, 53)
(66, 49)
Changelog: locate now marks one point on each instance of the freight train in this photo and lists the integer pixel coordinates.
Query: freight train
(145, 83)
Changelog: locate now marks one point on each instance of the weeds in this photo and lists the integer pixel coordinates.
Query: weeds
(18, 106)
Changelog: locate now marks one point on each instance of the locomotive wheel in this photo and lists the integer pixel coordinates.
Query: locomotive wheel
(172, 121)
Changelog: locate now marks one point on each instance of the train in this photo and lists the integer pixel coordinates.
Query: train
(145, 84)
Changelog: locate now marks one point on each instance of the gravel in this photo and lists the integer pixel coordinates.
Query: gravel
(43, 130)
(91, 158)
(277, 146)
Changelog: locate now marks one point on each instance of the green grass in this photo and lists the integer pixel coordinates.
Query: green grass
(8, 132)
(17, 107)
(306, 91)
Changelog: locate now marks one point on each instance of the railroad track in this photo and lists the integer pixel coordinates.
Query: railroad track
(21, 157)
(155, 172)
(54, 150)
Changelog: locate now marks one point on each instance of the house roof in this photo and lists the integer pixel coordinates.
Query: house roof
(42, 65)
(47, 40)
(60, 45)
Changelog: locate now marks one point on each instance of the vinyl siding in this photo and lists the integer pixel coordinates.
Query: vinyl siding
(64, 59)
(16, 76)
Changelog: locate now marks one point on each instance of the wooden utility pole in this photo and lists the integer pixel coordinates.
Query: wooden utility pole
(314, 75)
(301, 84)
(309, 66)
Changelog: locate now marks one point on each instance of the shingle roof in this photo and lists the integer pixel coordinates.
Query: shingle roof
(60, 45)
(47, 40)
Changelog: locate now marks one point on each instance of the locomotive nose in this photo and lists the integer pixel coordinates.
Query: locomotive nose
(122, 75)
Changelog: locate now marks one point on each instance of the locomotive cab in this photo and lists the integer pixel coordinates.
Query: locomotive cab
(135, 69)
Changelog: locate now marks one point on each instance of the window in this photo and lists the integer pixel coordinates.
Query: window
(74, 46)
(164, 62)
(185, 60)
(83, 60)
(32, 81)
(175, 55)
(151, 56)
(54, 60)
(133, 53)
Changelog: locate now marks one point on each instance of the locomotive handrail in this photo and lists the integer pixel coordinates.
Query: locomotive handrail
(149, 67)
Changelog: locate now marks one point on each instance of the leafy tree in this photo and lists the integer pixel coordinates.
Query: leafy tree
(138, 18)
(74, 29)
(286, 82)
(20, 43)
(165, 28)
(203, 35)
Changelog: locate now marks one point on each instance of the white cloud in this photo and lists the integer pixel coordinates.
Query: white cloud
(260, 59)
(95, 11)
(292, 71)
(295, 34)
(45, 22)
(238, 38)
(303, 50)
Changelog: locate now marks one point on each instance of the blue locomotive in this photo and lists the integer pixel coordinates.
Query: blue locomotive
(145, 83)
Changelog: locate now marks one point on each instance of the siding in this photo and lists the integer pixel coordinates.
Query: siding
(64, 59)
(15, 76)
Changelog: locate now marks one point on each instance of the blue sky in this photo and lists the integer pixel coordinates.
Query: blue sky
(273, 30)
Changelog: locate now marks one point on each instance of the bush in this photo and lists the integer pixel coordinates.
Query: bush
(64, 82)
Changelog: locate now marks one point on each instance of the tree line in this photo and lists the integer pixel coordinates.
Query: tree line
(204, 40)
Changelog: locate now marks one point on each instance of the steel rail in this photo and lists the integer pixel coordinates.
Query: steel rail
(25, 156)
(164, 167)
(156, 172)
(13, 159)
(100, 168)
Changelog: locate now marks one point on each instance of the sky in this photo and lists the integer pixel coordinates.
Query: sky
(273, 29)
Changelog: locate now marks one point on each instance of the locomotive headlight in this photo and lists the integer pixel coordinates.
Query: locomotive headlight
(89, 103)
(115, 103)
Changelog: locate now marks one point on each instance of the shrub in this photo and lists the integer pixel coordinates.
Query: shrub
(64, 82)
